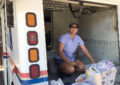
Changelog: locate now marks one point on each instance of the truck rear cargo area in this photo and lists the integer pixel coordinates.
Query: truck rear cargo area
(97, 28)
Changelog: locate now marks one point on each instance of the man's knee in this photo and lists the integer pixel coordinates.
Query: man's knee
(66, 68)
(80, 66)
(70, 70)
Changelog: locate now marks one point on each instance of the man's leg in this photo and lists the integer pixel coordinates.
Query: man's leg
(80, 66)
(66, 68)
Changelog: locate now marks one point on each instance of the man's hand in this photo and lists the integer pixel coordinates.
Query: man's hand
(93, 65)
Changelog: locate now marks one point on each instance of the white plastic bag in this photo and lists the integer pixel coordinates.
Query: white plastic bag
(75, 84)
(89, 81)
(80, 78)
(105, 65)
(108, 72)
(94, 75)
(58, 82)
(86, 82)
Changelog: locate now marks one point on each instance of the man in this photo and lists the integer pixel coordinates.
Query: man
(66, 47)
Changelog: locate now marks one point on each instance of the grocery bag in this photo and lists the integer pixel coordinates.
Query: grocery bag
(58, 82)
(103, 74)
(108, 72)
(93, 74)
(90, 81)
(80, 78)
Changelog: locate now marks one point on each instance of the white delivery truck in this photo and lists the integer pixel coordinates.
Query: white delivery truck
(23, 37)
(24, 42)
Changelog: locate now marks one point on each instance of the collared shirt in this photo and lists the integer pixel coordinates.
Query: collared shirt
(70, 45)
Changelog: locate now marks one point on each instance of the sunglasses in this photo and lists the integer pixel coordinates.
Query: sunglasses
(74, 27)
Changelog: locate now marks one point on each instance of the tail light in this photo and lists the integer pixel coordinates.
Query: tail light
(32, 38)
(34, 71)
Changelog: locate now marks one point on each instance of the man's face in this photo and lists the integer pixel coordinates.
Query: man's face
(73, 29)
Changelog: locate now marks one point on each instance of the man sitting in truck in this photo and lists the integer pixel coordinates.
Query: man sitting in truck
(67, 45)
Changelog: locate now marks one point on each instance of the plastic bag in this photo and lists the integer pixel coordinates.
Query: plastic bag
(92, 77)
(58, 82)
(105, 65)
(94, 74)
(108, 72)
(86, 82)
(90, 81)
(80, 78)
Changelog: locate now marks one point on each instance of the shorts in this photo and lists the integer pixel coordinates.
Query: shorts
(58, 62)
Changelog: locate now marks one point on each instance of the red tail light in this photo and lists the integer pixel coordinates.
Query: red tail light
(32, 38)
(34, 71)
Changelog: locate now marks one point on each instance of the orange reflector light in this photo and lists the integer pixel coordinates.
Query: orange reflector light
(31, 19)
(34, 71)
(33, 55)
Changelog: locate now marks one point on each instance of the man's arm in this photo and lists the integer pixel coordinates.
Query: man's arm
(85, 50)
(60, 52)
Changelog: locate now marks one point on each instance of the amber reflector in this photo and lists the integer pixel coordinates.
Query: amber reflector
(33, 55)
(31, 19)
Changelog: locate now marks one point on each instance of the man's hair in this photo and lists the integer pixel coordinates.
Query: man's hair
(71, 24)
